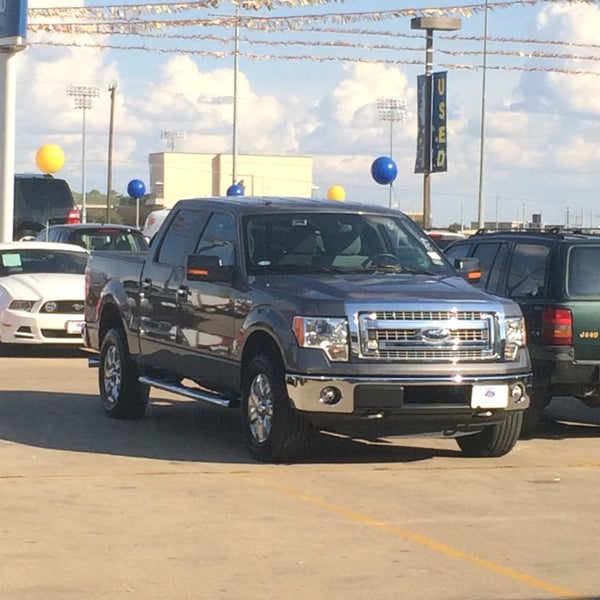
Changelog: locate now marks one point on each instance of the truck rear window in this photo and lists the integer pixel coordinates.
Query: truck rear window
(41, 193)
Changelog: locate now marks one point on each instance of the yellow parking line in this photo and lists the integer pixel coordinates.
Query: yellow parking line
(422, 540)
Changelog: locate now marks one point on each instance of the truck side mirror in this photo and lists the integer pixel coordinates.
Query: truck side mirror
(468, 268)
(201, 267)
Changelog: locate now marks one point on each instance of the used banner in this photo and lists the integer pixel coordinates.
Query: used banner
(439, 136)
(421, 123)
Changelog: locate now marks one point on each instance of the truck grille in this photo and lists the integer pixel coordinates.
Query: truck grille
(434, 335)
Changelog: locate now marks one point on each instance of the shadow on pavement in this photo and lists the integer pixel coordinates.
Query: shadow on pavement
(181, 430)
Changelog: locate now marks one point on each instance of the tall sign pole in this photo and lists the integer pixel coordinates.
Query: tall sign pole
(13, 27)
(431, 136)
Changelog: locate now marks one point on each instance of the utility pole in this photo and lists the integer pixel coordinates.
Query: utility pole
(112, 88)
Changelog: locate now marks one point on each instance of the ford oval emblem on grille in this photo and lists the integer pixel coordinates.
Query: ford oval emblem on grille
(434, 334)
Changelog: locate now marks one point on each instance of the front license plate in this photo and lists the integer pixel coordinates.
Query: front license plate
(74, 326)
(489, 396)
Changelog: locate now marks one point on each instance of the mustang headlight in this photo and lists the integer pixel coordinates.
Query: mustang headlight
(516, 337)
(327, 334)
(22, 305)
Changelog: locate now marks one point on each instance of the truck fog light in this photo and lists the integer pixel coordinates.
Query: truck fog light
(516, 393)
(330, 395)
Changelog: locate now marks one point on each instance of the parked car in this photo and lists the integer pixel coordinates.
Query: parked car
(96, 236)
(42, 293)
(442, 237)
(153, 222)
(39, 201)
(311, 315)
(555, 278)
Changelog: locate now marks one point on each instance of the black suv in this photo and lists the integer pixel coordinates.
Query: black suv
(555, 278)
(41, 200)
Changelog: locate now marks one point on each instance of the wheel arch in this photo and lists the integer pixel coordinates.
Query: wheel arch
(258, 342)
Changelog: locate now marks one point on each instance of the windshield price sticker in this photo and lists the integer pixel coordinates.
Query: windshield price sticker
(489, 396)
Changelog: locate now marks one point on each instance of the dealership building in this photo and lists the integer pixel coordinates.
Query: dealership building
(178, 175)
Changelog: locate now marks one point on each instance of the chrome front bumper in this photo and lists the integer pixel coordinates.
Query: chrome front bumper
(305, 391)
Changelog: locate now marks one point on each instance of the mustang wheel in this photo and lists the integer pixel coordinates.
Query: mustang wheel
(123, 397)
(493, 440)
(273, 431)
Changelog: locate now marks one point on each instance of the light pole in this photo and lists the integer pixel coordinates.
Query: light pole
(430, 24)
(391, 110)
(480, 199)
(83, 95)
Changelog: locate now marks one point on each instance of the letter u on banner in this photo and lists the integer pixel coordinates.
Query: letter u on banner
(439, 132)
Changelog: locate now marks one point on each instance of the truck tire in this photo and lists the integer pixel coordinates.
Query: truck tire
(493, 440)
(122, 396)
(272, 430)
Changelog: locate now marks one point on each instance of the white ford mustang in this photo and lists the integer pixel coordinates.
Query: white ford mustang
(42, 293)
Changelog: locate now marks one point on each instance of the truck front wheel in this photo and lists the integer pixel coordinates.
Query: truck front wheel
(493, 440)
(273, 431)
(123, 397)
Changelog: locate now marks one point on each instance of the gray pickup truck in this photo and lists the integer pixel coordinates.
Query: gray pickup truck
(308, 316)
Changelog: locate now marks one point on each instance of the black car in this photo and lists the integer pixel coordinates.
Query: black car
(40, 201)
(97, 236)
(555, 278)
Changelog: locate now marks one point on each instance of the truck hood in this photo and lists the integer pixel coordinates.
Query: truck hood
(378, 288)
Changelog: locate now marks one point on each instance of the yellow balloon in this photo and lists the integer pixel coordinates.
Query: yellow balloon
(50, 158)
(336, 192)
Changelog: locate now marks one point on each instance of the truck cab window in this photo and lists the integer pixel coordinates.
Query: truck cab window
(218, 239)
(181, 236)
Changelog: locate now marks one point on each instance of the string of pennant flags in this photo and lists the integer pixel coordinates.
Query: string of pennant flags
(257, 57)
(155, 21)
(112, 13)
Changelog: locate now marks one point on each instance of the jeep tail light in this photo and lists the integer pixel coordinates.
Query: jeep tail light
(73, 216)
(557, 327)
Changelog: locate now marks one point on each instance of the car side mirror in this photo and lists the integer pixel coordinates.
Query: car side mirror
(200, 267)
(468, 268)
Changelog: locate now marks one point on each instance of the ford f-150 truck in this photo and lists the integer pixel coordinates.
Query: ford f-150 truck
(308, 315)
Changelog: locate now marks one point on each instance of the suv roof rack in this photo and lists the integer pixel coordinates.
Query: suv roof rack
(557, 231)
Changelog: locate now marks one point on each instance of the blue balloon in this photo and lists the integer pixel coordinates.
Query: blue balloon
(136, 188)
(384, 170)
(235, 190)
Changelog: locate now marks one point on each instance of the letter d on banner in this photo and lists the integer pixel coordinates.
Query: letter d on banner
(13, 23)
(439, 133)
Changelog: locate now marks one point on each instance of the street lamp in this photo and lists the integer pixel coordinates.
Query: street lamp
(430, 24)
(172, 137)
(83, 95)
(391, 110)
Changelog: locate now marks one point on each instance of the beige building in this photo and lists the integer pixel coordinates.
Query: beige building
(178, 175)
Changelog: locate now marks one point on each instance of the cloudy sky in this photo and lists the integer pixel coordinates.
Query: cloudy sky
(309, 77)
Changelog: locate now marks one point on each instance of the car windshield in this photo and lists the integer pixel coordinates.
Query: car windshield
(353, 242)
(41, 261)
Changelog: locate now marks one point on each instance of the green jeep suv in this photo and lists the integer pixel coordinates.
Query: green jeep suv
(555, 279)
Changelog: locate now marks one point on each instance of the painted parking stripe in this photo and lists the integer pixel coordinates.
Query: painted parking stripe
(524, 578)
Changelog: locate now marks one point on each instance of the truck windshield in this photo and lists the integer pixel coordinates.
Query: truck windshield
(340, 242)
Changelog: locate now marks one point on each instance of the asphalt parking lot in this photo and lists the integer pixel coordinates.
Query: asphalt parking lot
(172, 507)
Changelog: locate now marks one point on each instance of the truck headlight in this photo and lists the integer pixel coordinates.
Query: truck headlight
(516, 337)
(327, 334)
